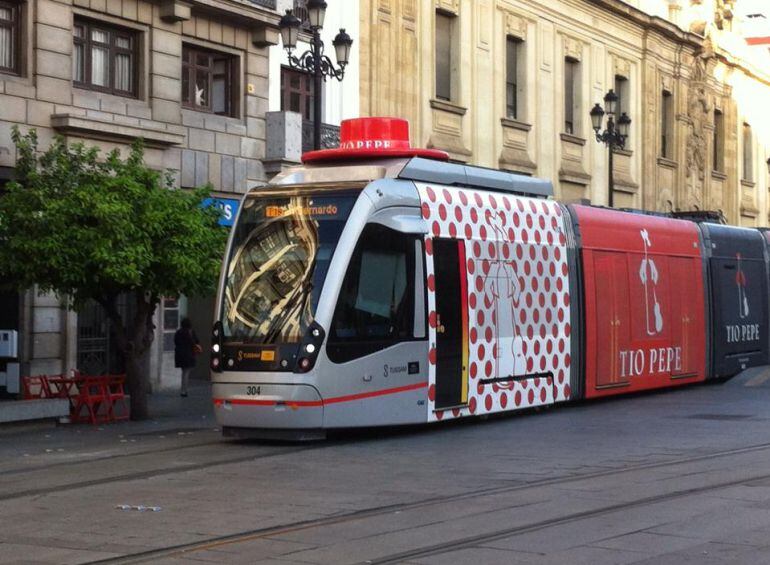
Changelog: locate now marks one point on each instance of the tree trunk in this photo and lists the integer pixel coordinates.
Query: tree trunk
(138, 383)
(135, 340)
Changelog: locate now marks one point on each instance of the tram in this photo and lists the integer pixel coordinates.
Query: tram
(380, 284)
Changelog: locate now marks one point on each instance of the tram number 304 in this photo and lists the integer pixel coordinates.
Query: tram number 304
(253, 390)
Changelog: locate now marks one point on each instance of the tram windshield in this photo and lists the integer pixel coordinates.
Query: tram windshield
(281, 250)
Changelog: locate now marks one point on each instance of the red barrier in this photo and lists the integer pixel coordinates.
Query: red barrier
(92, 399)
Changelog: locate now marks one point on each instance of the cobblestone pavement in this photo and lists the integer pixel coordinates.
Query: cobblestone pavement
(675, 477)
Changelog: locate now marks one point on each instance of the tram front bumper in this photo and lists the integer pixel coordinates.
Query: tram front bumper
(268, 406)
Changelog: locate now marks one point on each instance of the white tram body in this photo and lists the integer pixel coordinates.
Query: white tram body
(375, 287)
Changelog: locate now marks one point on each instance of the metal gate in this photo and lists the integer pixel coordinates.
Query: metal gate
(97, 351)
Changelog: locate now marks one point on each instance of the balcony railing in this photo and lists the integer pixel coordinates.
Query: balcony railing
(270, 4)
(300, 10)
(330, 136)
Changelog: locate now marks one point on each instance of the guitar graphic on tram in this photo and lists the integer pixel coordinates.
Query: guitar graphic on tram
(648, 273)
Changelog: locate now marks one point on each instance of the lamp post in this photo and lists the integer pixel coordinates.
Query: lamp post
(615, 134)
(314, 61)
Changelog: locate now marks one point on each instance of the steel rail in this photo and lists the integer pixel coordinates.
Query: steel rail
(187, 549)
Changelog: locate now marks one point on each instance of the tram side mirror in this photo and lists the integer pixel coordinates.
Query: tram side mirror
(401, 221)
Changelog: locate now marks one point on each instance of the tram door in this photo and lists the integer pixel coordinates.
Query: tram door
(451, 318)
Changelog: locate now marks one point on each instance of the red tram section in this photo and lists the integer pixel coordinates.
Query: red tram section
(644, 301)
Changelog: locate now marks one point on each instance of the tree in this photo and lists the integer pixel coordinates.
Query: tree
(87, 228)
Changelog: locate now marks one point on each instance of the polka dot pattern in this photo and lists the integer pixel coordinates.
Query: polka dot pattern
(518, 296)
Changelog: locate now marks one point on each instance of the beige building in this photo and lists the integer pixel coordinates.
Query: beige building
(510, 83)
(190, 77)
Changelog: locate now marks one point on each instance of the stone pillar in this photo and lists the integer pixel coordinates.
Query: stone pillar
(284, 141)
(46, 355)
(53, 51)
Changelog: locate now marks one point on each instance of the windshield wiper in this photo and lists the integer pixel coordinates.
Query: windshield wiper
(298, 299)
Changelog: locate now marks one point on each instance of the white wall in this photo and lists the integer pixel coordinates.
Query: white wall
(342, 100)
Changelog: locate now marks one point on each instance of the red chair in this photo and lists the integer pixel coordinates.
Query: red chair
(93, 394)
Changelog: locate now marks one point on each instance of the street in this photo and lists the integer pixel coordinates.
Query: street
(672, 477)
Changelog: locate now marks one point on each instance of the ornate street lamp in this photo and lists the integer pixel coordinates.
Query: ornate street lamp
(314, 61)
(615, 134)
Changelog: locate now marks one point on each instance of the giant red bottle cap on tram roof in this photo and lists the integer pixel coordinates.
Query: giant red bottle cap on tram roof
(373, 138)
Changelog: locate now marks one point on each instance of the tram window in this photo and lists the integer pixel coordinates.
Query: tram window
(419, 291)
(376, 304)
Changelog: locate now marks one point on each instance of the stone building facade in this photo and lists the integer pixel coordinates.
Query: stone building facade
(510, 83)
(190, 77)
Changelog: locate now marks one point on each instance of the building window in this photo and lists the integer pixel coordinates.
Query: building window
(621, 89)
(719, 142)
(748, 153)
(297, 92)
(514, 78)
(666, 125)
(104, 58)
(208, 81)
(446, 65)
(171, 321)
(9, 37)
(571, 95)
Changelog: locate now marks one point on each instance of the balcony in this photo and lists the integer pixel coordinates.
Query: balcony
(330, 136)
(300, 10)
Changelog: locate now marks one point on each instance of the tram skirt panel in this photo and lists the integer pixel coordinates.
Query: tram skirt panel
(499, 302)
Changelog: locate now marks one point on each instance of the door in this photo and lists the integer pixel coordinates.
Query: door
(686, 316)
(451, 323)
(612, 324)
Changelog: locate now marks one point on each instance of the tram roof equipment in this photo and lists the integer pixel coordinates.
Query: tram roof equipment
(455, 174)
(380, 148)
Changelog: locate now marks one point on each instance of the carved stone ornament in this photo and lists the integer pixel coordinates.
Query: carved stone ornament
(699, 23)
(515, 26)
(699, 111)
(723, 13)
(667, 83)
(701, 61)
(622, 67)
(451, 6)
(573, 49)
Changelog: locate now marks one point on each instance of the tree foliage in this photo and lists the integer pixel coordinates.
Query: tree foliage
(86, 227)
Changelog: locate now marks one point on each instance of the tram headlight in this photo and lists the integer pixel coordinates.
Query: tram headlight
(215, 348)
(309, 348)
(215, 363)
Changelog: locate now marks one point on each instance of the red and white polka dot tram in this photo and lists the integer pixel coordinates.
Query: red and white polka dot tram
(379, 284)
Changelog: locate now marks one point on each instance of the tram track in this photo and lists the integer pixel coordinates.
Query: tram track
(148, 473)
(472, 541)
(183, 550)
(99, 459)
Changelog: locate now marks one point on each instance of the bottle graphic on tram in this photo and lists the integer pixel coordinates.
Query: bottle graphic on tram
(648, 273)
(740, 281)
(502, 294)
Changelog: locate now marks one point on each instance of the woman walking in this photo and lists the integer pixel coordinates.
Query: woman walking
(186, 347)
